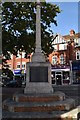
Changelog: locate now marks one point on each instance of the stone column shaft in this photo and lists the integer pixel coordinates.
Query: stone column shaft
(38, 28)
(38, 56)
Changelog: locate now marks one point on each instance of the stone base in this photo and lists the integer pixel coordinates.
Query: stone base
(34, 98)
(55, 115)
(40, 87)
(38, 57)
(37, 107)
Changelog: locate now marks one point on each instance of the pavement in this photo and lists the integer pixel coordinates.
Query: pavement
(72, 91)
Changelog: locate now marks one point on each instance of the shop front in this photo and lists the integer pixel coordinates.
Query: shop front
(76, 71)
(60, 76)
(19, 74)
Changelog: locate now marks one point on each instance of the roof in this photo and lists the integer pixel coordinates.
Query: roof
(67, 37)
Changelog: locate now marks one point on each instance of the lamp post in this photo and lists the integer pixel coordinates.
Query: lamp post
(71, 73)
(20, 52)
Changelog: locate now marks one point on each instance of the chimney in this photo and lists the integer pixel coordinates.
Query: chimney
(72, 32)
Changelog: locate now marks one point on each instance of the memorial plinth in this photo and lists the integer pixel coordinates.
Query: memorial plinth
(38, 78)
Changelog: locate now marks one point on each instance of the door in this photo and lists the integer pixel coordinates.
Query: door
(58, 78)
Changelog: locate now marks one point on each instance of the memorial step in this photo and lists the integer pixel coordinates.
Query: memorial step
(54, 115)
(13, 106)
(39, 97)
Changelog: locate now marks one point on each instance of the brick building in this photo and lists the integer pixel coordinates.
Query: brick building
(66, 51)
(18, 64)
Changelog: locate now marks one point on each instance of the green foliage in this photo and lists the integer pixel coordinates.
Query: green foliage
(7, 72)
(19, 26)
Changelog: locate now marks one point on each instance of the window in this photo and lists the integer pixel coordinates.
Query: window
(55, 47)
(23, 66)
(18, 66)
(79, 41)
(23, 54)
(61, 59)
(76, 42)
(20, 55)
(78, 55)
(63, 46)
(54, 60)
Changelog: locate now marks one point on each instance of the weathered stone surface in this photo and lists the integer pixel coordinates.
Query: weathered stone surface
(32, 115)
(39, 97)
(55, 115)
(40, 87)
(38, 65)
(13, 106)
(38, 109)
(38, 57)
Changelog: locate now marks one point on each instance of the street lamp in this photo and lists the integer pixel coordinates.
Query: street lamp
(20, 52)
(14, 54)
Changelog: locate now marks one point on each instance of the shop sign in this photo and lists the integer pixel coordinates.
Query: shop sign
(76, 65)
(17, 71)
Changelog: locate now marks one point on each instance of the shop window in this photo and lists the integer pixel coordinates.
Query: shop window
(66, 77)
(76, 76)
(54, 60)
(53, 77)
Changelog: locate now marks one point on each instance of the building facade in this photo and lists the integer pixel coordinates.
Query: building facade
(18, 65)
(66, 52)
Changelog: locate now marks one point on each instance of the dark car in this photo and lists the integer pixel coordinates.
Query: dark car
(76, 82)
(12, 83)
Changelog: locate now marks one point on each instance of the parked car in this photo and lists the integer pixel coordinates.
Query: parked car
(12, 83)
(5, 81)
(76, 82)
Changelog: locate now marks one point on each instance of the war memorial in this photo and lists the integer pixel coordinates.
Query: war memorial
(39, 100)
